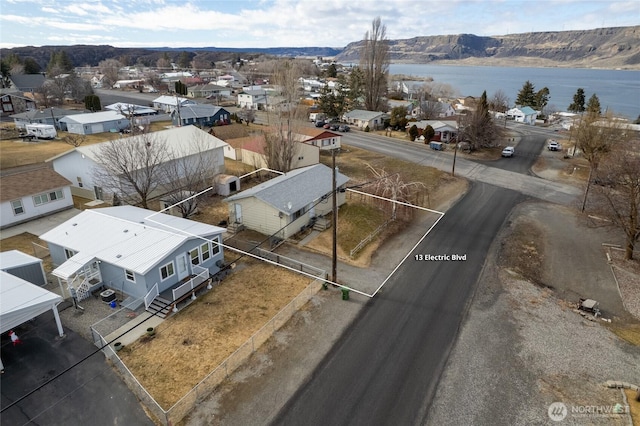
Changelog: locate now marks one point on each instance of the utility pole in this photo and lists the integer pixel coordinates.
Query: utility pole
(334, 197)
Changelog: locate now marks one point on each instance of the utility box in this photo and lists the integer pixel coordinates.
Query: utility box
(108, 296)
(438, 146)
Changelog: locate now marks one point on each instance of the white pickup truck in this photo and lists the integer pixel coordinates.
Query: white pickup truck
(553, 145)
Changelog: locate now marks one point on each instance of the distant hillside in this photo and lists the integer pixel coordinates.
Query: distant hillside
(600, 48)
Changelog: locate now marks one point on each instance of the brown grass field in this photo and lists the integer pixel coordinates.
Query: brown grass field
(192, 343)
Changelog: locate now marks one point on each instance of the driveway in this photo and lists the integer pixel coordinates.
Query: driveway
(90, 393)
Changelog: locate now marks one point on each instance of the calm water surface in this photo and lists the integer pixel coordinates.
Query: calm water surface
(618, 90)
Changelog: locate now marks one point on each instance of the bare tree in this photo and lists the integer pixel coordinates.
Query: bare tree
(393, 187)
(430, 109)
(110, 69)
(189, 172)
(74, 140)
(281, 144)
(499, 101)
(595, 137)
(374, 62)
(131, 168)
(618, 196)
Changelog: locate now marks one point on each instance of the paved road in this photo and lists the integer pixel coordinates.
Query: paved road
(385, 368)
(488, 171)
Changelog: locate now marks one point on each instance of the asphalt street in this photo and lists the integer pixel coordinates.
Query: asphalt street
(385, 368)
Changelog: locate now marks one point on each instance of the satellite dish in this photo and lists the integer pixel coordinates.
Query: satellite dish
(289, 205)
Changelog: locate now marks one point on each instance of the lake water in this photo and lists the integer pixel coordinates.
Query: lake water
(618, 90)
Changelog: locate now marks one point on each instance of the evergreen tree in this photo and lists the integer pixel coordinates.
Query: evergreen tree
(593, 106)
(542, 99)
(31, 66)
(428, 133)
(578, 101)
(413, 132)
(526, 96)
(181, 88)
(92, 103)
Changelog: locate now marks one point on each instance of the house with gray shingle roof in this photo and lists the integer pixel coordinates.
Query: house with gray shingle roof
(285, 205)
(362, 119)
(200, 115)
(30, 194)
(44, 116)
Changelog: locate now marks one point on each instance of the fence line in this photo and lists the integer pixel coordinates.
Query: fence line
(210, 382)
(368, 238)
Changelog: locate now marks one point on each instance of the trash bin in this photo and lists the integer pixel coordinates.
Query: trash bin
(345, 293)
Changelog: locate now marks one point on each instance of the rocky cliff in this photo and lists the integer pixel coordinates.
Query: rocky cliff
(600, 48)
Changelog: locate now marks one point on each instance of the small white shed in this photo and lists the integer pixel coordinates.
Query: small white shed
(226, 184)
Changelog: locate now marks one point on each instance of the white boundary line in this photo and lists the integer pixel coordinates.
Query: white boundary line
(298, 271)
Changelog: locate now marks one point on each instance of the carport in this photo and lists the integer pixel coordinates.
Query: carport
(21, 301)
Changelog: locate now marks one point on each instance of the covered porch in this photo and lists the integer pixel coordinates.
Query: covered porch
(80, 275)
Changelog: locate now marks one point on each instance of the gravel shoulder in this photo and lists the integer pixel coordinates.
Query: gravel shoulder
(546, 351)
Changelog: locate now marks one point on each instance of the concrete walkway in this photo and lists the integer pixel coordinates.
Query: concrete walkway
(39, 226)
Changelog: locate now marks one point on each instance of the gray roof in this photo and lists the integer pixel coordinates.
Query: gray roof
(93, 117)
(27, 82)
(294, 190)
(199, 111)
(360, 114)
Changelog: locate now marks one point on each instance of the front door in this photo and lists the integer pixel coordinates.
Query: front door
(238, 213)
(182, 266)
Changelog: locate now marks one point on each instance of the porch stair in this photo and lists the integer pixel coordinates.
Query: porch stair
(83, 290)
(160, 307)
(321, 224)
(234, 228)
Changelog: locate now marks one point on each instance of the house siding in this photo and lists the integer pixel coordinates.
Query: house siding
(32, 272)
(31, 211)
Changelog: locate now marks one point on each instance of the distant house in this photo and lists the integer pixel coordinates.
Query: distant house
(407, 105)
(445, 131)
(322, 138)
(79, 165)
(200, 115)
(13, 103)
(288, 203)
(31, 194)
(208, 91)
(44, 116)
(95, 122)
(525, 115)
(134, 251)
(362, 119)
(252, 99)
(169, 103)
(250, 150)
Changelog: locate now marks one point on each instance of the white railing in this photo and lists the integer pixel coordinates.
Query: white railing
(201, 276)
(368, 238)
(151, 295)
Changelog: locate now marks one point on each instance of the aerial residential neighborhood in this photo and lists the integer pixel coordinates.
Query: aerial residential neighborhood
(315, 235)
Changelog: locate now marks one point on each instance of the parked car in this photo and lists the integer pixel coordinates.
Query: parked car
(320, 123)
(553, 146)
(334, 127)
(343, 128)
(326, 126)
(508, 151)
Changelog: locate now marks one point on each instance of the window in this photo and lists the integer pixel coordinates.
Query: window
(195, 256)
(215, 246)
(17, 207)
(79, 182)
(45, 198)
(129, 275)
(166, 271)
(206, 251)
(68, 253)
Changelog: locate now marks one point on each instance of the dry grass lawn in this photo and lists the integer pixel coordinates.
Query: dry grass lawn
(634, 406)
(15, 152)
(192, 343)
(24, 243)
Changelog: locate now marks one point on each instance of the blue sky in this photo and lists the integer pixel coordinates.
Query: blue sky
(278, 23)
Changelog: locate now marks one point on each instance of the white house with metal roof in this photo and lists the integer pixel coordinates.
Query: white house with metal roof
(95, 122)
(288, 203)
(168, 103)
(525, 115)
(135, 251)
(79, 165)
